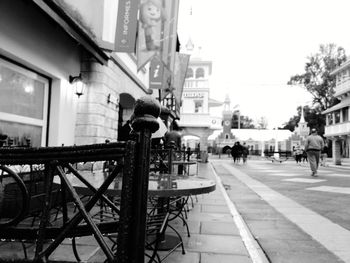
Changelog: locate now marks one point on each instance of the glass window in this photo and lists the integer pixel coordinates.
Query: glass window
(189, 73)
(198, 106)
(345, 112)
(330, 118)
(336, 116)
(199, 73)
(23, 106)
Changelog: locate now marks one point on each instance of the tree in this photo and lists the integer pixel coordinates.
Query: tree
(312, 117)
(317, 79)
(245, 121)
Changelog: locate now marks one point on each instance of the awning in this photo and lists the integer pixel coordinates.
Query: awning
(65, 21)
(342, 104)
(214, 103)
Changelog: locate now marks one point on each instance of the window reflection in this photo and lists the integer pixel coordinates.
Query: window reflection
(345, 114)
(20, 95)
(23, 106)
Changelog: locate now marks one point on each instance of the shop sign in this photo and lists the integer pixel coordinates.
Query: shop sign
(125, 36)
(193, 94)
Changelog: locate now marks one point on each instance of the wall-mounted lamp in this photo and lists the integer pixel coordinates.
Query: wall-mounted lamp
(114, 102)
(78, 83)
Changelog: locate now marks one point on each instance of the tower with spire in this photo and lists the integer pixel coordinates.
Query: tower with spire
(226, 120)
(302, 129)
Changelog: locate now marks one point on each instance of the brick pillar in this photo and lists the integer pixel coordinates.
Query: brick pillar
(336, 151)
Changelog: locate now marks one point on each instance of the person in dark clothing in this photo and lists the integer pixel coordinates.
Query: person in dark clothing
(173, 138)
(236, 152)
(304, 156)
(324, 155)
(298, 153)
(124, 132)
(245, 152)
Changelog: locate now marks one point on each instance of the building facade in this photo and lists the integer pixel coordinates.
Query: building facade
(337, 117)
(196, 119)
(258, 141)
(43, 44)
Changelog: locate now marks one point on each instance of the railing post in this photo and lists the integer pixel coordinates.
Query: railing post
(132, 233)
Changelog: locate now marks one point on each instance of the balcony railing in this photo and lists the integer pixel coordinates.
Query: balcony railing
(342, 87)
(196, 83)
(337, 129)
(195, 120)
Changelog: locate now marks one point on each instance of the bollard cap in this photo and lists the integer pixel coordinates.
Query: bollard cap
(146, 112)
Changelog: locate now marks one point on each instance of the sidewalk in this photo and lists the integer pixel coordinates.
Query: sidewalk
(218, 234)
(215, 234)
(345, 163)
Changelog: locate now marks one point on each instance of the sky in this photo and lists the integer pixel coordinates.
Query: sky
(257, 45)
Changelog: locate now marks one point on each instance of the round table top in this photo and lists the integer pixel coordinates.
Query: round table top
(164, 185)
(184, 162)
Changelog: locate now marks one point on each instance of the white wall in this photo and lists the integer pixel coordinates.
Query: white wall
(31, 39)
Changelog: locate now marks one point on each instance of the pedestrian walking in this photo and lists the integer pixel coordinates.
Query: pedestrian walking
(236, 152)
(298, 154)
(245, 152)
(324, 155)
(314, 145)
(304, 156)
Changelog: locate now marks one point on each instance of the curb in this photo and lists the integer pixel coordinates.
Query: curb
(255, 251)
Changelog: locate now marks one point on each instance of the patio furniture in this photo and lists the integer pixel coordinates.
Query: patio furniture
(51, 210)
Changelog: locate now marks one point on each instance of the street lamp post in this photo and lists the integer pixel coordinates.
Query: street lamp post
(276, 154)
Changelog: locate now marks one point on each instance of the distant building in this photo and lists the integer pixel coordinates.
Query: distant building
(196, 120)
(337, 117)
(257, 140)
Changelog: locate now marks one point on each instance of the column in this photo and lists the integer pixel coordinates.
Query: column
(203, 148)
(336, 146)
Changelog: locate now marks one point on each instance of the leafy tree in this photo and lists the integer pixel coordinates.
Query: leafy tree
(245, 121)
(312, 117)
(317, 79)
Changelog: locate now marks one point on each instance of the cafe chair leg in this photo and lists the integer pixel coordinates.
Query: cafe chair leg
(75, 251)
(180, 240)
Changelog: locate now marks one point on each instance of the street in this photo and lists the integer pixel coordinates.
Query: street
(293, 216)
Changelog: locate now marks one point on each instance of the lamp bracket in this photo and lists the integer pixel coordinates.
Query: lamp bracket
(110, 100)
(74, 78)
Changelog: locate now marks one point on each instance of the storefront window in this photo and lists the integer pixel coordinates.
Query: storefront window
(23, 106)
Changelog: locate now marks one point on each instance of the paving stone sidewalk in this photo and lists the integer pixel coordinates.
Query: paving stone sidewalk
(214, 235)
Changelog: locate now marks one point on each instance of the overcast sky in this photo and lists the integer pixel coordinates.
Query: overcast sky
(256, 45)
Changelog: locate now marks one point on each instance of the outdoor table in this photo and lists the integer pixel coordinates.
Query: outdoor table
(164, 185)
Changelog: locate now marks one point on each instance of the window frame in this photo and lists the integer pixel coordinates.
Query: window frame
(43, 123)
